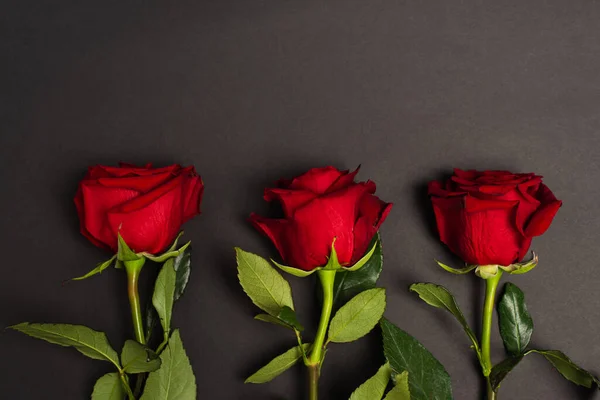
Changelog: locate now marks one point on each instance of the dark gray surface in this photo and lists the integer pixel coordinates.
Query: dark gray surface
(250, 91)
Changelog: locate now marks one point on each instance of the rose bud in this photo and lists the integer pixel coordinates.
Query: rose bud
(321, 206)
(490, 217)
(145, 205)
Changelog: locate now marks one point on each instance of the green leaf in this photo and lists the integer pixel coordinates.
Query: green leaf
(401, 391)
(163, 297)
(348, 284)
(99, 268)
(440, 297)
(108, 387)
(124, 253)
(91, 343)
(357, 317)
(427, 378)
(151, 320)
(288, 316)
(137, 358)
(182, 265)
(516, 325)
(174, 380)
(456, 271)
(272, 320)
(500, 370)
(568, 368)
(267, 289)
(374, 387)
(278, 365)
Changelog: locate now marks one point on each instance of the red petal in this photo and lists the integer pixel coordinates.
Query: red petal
(281, 233)
(484, 237)
(142, 183)
(372, 213)
(290, 200)
(96, 200)
(542, 218)
(328, 217)
(192, 197)
(317, 180)
(344, 181)
(151, 221)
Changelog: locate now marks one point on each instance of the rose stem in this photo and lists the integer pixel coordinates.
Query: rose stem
(491, 284)
(327, 278)
(133, 269)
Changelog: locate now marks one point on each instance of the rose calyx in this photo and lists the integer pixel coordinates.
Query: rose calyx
(491, 270)
(332, 263)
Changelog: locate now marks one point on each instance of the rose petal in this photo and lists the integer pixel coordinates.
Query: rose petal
(281, 233)
(96, 201)
(151, 221)
(317, 180)
(193, 191)
(372, 213)
(143, 183)
(540, 221)
(290, 200)
(328, 217)
(344, 181)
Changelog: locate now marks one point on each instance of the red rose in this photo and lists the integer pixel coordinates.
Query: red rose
(321, 205)
(490, 217)
(146, 205)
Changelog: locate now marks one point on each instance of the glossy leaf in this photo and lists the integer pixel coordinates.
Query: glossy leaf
(358, 316)
(516, 325)
(108, 387)
(278, 365)
(501, 370)
(267, 289)
(163, 297)
(272, 320)
(91, 343)
(427, 378)
(350, 283)
(440, 297)
(174, 380)
(288, 316)
(99, 268)
(401, 390)
(137, 358)
(182, 266)
(374, 387)
(568, 368)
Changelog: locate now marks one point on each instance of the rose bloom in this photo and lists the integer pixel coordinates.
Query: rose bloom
(318, 206)
(490, 217)
(146, 205)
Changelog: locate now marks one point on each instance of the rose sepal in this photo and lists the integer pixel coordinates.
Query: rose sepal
(456, 271)
(332, 263)
(489, 271)
(523, 267)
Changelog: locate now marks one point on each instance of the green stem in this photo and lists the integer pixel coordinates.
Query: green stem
(126, 385)
(327, 278)
(313, 382)
(491, 285)
(491, 395)
(133, 269)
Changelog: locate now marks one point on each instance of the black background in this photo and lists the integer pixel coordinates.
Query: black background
(251, 91)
